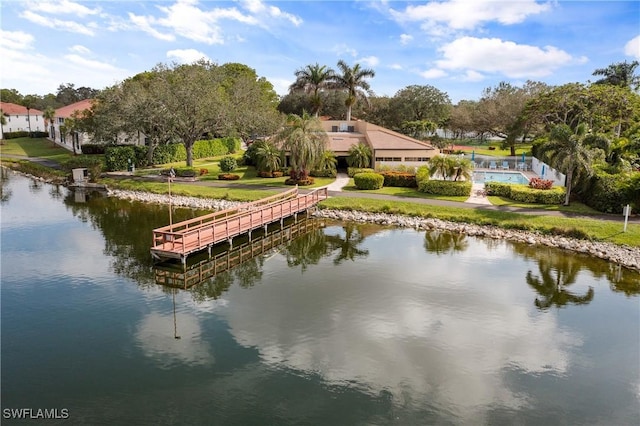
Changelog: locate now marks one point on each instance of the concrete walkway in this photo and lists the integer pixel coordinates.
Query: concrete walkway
(478, 196)
(341, 181)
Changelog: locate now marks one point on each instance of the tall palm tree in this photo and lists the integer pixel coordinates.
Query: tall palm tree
(49, 115)
(567, 153)
(620, 74)
(305, 140)
(328, 161)
(353, 81)
(359, 156)
(313, 79)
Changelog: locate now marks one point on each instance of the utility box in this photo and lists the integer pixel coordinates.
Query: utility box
(80, 175)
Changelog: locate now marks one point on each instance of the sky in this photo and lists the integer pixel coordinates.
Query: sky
(460, 47)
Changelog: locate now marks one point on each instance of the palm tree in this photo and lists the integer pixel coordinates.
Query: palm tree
(49, 115)
(312, 79)
(353, 81)
(463, 169)
(359, 156)
(305, 140)
(268, 156)
(567, 153)
(620, 74)
(441, 165)
(328, 161)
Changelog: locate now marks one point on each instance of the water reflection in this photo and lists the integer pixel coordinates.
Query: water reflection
(443, 242)
(5, 191)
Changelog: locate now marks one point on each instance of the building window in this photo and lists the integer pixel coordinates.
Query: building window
(420, 159)
(60, 120)
(388, 159)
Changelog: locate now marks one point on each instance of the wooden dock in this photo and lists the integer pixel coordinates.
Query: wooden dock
(179, 240)
(171, 275)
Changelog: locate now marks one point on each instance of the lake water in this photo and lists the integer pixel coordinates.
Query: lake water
(340, 324)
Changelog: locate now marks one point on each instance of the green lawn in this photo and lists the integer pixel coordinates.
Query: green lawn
(402, 192)
(34, 147)
(595, 229)
(497, 152)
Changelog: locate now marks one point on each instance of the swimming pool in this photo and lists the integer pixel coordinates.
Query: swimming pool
(503, 177)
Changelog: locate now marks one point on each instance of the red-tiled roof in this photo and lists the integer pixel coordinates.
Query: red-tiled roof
(15, 109)
(67, 111)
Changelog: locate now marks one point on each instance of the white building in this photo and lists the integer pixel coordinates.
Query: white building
(20, 119)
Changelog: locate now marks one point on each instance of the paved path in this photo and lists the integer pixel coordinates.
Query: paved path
(341, 181)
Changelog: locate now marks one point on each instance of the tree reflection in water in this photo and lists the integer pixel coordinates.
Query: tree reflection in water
(5, 192)
(348, 245)
(443, 242)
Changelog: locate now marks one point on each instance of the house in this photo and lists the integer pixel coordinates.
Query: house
(389, 148)
(73, 141)
(20, 119)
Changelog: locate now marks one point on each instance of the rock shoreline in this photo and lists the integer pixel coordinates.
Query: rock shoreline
(626, 256)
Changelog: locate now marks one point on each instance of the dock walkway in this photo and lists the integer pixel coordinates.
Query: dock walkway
(179, 240)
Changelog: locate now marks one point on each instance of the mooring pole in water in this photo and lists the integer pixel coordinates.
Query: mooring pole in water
(172, 174)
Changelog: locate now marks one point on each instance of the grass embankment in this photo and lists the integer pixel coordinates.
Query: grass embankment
(598, 230)
(592, 228)
(34, 147)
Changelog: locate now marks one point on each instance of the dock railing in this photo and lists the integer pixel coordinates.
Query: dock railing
(180, 239)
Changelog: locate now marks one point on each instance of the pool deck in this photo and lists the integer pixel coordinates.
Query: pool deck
(478, 195)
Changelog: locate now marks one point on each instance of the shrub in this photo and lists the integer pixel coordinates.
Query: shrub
(352, 171)
(323, 173)
(498, 189)
(525, 194)
(119, 157)
(445, 187)
(368, 180)
(609, 193)
(169, 153)
(301, 182)
(81, 162)
(538, 183)
(15, 135)
(423, 174)
(228, 164)
(92, 148)
(180, 172)
(274, 174)
(228, 176)
(204, 172)
(277, 174)
(399, 179)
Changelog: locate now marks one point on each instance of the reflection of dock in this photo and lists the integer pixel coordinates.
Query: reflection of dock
(201, 271)
(179, 240)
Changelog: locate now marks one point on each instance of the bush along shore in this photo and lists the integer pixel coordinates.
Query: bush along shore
(628, 257)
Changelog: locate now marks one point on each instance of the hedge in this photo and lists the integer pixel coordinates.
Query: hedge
(93, 148)
(399, 179)
(228, 176)
(526, 194)
(119, 157)
(352, 171)
(323, 173)
(368, 180)
(300, 182)
(609, 193)
(24, 134)
(445, 187)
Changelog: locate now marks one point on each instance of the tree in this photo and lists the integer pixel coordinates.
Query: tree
(328, 161)
(305, 140)
(620, 74)
(11, 96)
(566, 152)
(501, 111)
(352, 80)
(268, 156)
(420, 104)
(359, 156)
(312, 80)
(28, 102)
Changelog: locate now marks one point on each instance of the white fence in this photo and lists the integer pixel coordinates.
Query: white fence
(546, 172)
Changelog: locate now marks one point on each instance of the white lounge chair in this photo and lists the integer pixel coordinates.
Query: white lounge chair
(492, 165)
(505, 165)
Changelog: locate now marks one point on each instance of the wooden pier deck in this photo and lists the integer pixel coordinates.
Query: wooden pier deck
(179, 240)
(170, 275)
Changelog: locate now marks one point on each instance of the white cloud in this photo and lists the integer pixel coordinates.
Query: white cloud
(257, 7)
(433, 73)
(473, 76)
(396, 67)
(466, 15)
(492, 55)
(280, 85)
(92, 65)
(80, 49)
(144, 23)
(343, 49)
(405, 39)
(16, 40)
(58, 24)
(370, 61)
(632, 48)
(61, 7)
(187, 56)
